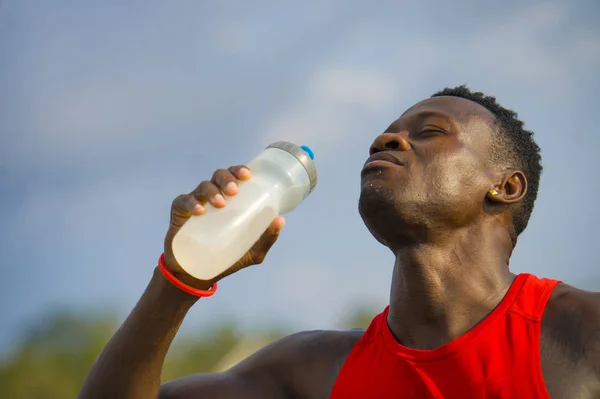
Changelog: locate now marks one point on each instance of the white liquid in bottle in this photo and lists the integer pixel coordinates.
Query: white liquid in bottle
(282, 176)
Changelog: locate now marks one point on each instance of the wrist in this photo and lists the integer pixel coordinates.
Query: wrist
(171, 266)
(193, 282)
(164, 289)
(177, 282)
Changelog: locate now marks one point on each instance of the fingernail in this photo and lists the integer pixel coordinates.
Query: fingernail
(219, 198)
(231, 187)
(245, 172)
(198, 209)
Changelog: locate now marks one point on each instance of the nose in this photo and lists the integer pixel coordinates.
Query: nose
(390, 142)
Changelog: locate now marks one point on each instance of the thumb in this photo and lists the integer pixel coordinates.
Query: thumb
(260, 249)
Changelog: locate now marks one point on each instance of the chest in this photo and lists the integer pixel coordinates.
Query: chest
(376, 374)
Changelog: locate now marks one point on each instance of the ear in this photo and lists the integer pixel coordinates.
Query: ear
(511, 189)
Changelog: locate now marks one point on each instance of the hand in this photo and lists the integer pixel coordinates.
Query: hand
(223, 181)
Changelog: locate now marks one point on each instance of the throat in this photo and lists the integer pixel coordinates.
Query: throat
(437, 301)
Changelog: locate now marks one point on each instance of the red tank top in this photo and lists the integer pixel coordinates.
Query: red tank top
(499, 358)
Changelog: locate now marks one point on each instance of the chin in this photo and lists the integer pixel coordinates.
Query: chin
(378, 209)
(381, 198)
(390, 220)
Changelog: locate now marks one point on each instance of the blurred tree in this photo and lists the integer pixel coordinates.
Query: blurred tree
(54, 356)
(360, 318)
(215, 351)
(198, 354)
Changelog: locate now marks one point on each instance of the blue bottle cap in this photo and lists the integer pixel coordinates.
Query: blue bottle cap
(310, 152)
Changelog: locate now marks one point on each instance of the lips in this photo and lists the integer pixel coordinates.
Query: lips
(384, 157)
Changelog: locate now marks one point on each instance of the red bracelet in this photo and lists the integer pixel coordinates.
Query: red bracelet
(179, 284)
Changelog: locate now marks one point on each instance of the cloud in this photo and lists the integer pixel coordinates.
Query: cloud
(516, 49)
(324, 295)
(528, 47)
(132, 95)
(113, 207)
(95, 87)
(326, 108)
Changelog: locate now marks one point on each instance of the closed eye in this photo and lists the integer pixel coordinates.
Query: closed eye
(425, 133)
(430, 130)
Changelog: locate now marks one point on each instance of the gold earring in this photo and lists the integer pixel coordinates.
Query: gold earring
(493, 192)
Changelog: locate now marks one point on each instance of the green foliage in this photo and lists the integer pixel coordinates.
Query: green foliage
(53, 358)
(360, 318)
(192, 354)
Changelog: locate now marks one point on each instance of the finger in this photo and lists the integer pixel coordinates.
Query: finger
(226, 181)
(268, 238)
(277, 224)
(208, 192)
(183, 207)
(241, 172)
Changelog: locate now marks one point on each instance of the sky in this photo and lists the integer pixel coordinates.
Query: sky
(109, 110)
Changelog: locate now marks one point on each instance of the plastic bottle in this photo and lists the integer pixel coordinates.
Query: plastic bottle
(283, 175)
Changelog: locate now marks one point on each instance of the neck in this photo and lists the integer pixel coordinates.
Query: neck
(441, 290)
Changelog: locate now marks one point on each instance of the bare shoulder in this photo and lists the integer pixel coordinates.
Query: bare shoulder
(303, 364)
(305, 346)
(572, 322)
(319, 342)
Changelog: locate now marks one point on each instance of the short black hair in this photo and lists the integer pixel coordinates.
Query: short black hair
(515, 148)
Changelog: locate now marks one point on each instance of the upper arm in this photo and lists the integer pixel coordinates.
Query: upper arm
(592, 331)
(574, 325)
(276, 371)
(225, 385)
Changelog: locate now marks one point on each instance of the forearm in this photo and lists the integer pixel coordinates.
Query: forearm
(130, 365)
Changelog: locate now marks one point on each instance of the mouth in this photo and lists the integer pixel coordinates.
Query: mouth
(380, 159)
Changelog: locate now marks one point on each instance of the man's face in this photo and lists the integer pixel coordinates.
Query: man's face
(441, 149)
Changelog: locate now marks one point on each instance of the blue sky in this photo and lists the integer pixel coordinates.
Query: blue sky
(108, 110)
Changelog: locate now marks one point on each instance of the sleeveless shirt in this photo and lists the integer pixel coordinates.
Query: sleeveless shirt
(499, 358)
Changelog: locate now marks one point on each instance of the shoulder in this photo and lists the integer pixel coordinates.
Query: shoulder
(304, 364)
(570, 301)
(574, 308)
(572, 321)
(303, 348)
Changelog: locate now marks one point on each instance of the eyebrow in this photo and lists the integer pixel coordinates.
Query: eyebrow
(428, 113)
(422, 115)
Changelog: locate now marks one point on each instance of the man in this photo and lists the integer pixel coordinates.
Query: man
(448, 187)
